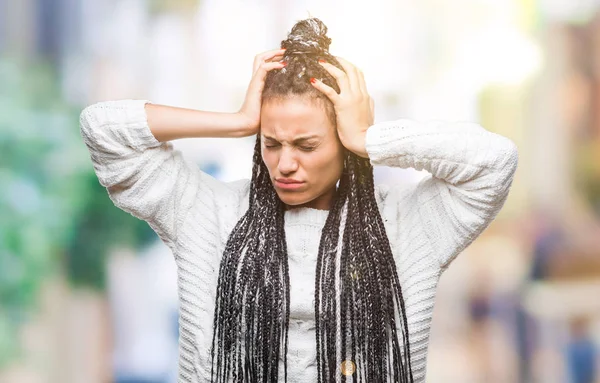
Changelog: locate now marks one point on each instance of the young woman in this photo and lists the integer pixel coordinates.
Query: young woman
(307, 272)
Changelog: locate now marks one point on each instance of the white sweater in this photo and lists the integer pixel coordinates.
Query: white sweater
(428, 223)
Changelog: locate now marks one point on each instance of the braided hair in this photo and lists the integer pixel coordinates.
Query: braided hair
(356, 284)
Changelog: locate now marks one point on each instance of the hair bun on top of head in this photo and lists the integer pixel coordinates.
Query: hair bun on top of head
(307, 37)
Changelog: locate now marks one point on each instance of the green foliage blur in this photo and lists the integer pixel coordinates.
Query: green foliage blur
(55, 217)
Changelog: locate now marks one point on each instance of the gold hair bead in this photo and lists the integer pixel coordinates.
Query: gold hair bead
(348, 367)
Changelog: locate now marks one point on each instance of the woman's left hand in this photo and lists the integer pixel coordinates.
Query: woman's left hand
(353, 106)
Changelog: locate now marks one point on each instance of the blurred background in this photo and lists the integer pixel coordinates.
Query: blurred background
(88, 293)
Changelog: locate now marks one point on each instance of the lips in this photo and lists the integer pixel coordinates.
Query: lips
(288, 184)
(288, 181)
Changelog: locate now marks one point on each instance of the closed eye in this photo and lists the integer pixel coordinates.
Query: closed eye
(304, 148)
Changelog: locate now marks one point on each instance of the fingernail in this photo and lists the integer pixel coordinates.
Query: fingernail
(313, 80)
(322, 61)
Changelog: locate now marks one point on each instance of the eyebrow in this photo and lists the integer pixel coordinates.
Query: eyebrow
(297, 140)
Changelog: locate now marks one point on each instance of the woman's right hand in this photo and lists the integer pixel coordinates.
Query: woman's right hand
(250, 110)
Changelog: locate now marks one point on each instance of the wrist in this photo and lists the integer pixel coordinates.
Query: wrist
(358, 146)
(244, 125)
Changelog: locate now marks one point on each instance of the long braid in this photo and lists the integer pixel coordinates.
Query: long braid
(357, 290)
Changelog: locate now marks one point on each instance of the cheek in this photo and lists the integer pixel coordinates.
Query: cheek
(325, 164)
(269, 159)
(335, 164)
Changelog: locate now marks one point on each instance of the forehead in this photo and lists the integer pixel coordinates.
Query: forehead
(288, 118)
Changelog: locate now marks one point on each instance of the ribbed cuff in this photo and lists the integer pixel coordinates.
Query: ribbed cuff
(141, 136)
(381, 136)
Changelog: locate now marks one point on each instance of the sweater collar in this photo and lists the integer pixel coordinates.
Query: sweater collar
(306, 215)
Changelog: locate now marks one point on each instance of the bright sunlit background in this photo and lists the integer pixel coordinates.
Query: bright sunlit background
(88, 293)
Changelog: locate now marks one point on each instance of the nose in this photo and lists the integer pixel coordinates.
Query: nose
(287, 162)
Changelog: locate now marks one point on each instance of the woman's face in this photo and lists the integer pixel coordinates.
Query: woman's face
(299, 143)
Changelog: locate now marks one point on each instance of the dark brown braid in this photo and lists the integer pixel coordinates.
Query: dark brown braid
(253, 294)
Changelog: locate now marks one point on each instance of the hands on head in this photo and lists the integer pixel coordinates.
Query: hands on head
(354, 107)
(250, 110)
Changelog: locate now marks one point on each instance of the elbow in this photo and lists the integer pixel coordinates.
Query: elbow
(85, 123)
(507, 167)
(87, 117)
(93, 118)
(505, 152)
(94, 126)
(505, 157)
(511, 156)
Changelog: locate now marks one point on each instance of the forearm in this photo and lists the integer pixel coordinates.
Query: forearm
(170, 123)
(144, 177)
(471, 169)
(456, 152)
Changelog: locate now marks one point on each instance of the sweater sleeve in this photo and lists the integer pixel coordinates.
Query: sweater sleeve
(471, 171)
(145, 177)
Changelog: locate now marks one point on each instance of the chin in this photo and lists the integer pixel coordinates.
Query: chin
(291, 200)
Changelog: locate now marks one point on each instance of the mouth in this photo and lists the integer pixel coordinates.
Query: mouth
(288, 185)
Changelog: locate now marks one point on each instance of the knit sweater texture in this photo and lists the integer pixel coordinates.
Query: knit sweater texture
(428, 223)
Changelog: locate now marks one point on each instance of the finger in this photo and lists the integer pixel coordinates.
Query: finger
(266, 56)
(351, 72)
(277, 58)
(340, 77)
(326, 89)
(265, 67)
(258, 79)
(274, 59)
